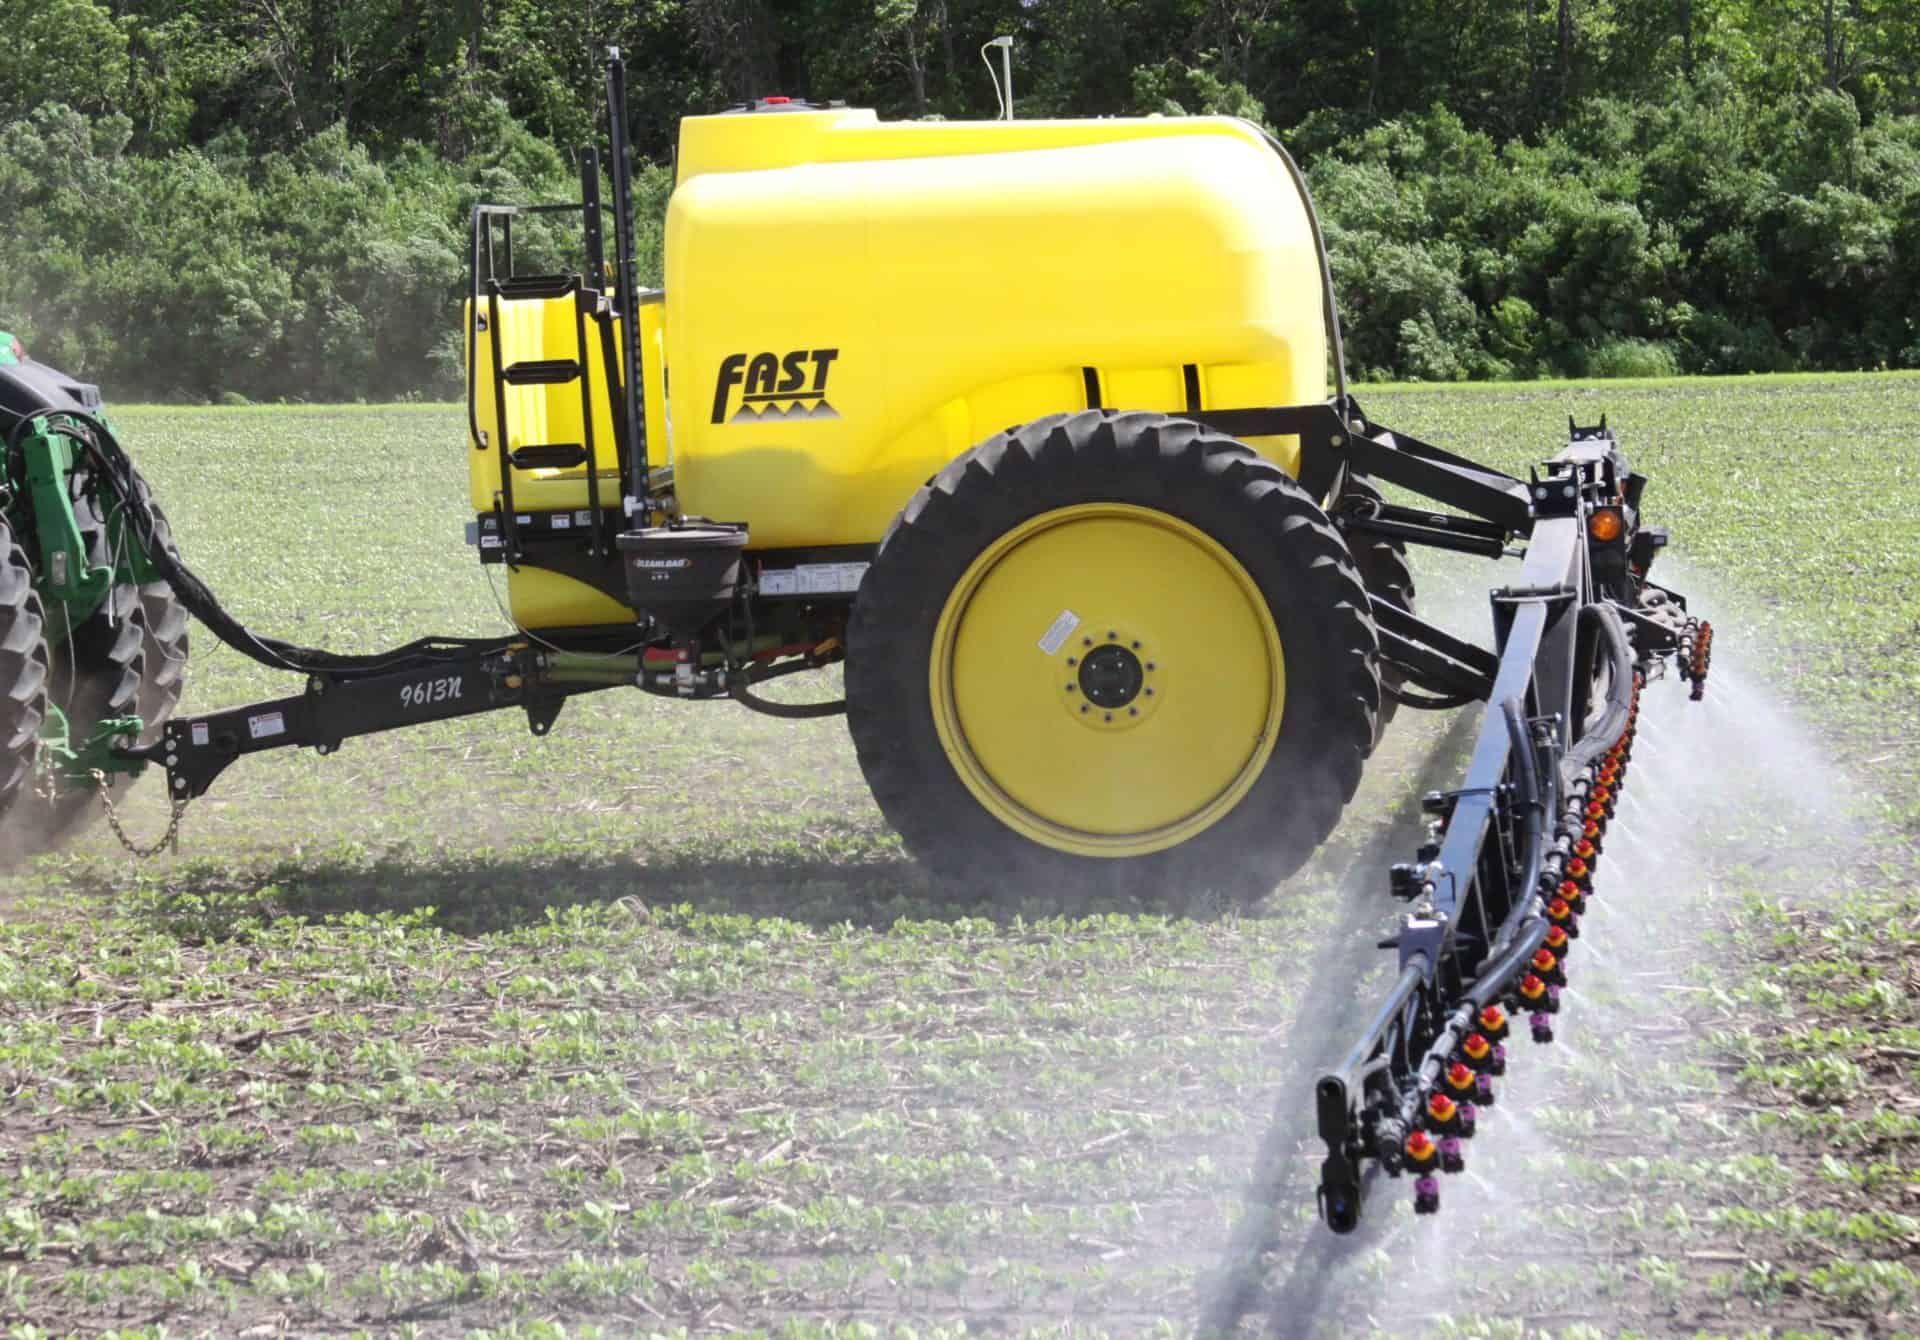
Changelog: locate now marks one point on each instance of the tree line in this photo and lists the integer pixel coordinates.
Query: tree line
(268, 198)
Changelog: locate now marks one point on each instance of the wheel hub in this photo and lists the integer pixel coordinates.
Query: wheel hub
(1111, 676)
(1109, 683)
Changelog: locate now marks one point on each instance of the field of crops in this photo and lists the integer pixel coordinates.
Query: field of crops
(650, 1027)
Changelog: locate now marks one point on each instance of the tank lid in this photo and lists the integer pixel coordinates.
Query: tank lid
(780, 103)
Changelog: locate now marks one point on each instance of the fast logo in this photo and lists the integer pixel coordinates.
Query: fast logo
(775, 386)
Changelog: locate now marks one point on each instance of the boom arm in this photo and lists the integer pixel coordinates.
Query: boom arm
(1499, 887)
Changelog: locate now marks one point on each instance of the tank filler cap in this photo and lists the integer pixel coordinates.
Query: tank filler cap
(780, 103)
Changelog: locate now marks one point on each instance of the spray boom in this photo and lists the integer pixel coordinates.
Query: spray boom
(1500, 887)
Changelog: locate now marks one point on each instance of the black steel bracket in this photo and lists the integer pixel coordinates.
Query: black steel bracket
(195, 750)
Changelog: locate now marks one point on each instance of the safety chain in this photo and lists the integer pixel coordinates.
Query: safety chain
(169, 840)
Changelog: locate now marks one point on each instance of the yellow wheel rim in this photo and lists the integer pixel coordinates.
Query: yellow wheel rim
(1107, 680)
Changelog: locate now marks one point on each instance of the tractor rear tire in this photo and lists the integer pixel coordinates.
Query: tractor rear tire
(1384, 568)
(98, 673)
(1112, 653)
(23, 672)
(163, 677)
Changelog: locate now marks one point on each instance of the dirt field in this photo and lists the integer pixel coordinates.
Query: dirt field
(650, 1027)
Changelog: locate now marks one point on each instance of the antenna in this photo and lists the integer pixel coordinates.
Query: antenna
(1005, 76)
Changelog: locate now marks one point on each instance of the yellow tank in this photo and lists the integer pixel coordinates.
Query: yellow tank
(853, 304)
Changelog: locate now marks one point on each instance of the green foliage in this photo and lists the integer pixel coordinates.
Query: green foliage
(210, 198)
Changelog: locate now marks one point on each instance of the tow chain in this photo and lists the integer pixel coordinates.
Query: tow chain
(169, 840)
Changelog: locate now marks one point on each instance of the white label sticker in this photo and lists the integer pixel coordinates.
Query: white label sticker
(266, 724)
(583, 518)
(201, 734)
(820, 578)
(1059, 631)
(813, 579)
(561, 521)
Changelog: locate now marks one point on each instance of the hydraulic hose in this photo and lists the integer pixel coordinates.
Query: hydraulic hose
(1619, 693)
(741, 691)
(117, 473)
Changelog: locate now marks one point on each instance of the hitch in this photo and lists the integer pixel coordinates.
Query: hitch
(82, 767)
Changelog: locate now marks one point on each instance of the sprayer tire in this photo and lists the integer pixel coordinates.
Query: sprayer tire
(1386, 572)
(23, 672)
(1175, 540)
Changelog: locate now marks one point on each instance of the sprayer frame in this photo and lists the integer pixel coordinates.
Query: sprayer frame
(1495, 854)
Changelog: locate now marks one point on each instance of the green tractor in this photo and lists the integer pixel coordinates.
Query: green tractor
(93, 641)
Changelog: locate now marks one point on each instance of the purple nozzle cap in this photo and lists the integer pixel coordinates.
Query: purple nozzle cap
(1499, 1058)
(1542, 1028)
(1452, 1158)
(1484, 1090)
(1553, 994)
(1426, 1195)
(1469, 1114)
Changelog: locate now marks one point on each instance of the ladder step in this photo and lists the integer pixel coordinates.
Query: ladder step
(541, 372)
(549, 456)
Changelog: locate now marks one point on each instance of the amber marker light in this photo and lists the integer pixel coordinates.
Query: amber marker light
(1606, 524)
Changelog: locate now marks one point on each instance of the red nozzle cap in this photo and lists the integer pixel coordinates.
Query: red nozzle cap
(1559, 910)
(1441, 1108)
(1493, 1018)
(1577, 868)
(1460, 1076)
(1556, 939)
(1532, 987)
(1584, 850)
(1476, 1046)
(1420, 1147)
(1544, 961)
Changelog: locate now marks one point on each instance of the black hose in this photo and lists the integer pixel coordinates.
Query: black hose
(118, 475)
(1619, 693)
(741, 691)
(1439, 703)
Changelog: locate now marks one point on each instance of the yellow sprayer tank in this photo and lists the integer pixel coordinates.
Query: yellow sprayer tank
(851, 304)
